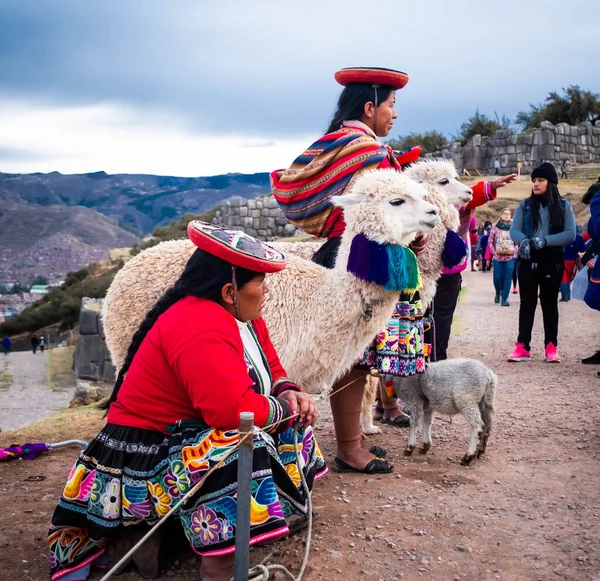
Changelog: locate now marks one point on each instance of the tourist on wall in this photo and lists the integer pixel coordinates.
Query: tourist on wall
(503, 253)
(542, 226)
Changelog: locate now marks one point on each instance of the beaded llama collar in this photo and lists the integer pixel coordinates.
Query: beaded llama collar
(392, 267)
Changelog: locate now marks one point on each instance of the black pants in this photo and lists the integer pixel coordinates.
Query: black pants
(515, 271)
(444, 304)
(544, 277)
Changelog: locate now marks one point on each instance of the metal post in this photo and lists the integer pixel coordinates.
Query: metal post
(242, 525)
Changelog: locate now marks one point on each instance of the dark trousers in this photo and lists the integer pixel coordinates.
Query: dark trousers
(543, 278)
(515, 271)
(444, 304)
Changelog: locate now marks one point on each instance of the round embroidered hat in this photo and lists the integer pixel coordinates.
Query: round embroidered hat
(371, 76)
(236, 247)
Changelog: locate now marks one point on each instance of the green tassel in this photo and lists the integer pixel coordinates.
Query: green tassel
(403, 270)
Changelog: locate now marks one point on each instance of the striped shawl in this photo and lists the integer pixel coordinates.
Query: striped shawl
(324, 170)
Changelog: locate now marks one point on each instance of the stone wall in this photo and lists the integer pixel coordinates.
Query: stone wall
(91, 359)
(260, 217)
(554, 143)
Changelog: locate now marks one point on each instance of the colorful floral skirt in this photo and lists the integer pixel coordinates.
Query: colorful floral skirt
(400, 349)
(129, 475)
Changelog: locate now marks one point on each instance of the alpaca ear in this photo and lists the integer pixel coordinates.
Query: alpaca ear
(348, 200)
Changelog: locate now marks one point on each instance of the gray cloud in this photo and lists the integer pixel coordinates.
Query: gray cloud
(264, 68)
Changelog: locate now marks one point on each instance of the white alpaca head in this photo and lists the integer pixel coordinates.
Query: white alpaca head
(442, 174)
(387, 207)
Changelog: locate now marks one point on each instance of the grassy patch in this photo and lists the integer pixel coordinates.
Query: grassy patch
(77, 423)
(6, 378)
(60, 363)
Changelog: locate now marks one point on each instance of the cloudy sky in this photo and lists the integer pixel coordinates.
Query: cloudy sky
(202, 87)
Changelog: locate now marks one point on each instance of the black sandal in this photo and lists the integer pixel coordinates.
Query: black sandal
(378, 451)
(375, 466)
(401, 421)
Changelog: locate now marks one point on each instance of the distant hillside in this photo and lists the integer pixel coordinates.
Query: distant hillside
(53, 240)
(140, 201)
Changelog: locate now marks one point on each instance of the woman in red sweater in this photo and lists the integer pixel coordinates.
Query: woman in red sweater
(201, 356)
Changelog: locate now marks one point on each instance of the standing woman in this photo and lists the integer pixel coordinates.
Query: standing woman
(543, 225)
(502, 249)
(365, 112)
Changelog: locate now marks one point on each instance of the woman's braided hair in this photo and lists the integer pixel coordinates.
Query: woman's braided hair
(204, 277)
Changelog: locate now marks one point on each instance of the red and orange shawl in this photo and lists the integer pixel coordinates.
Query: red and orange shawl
(326, 169)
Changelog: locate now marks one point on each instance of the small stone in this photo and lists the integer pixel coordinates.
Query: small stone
(369, 537)
(47, 497)
(418, 533)
(463, 549)
(4, 541)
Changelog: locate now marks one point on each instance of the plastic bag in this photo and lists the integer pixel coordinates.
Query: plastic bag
(580, 284)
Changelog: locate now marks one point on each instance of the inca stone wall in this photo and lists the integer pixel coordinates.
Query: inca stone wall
(260, 217)
(91, 359)
(553, 143)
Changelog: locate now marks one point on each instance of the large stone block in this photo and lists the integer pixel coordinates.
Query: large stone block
(251, 204)
(236, 201)
(247, 223)
(256, 223)
(88, 322)
(89, 357)
(243, 211)
(537, 138)
(255, 213)
(235, 221)
(265, 212)
(289, 230)
(547, 137)
(262, 223)
(281, 220)
(108, 371)
(547, 152)
(259, 203)
(270, 202)
(271, 223)
(510, 149)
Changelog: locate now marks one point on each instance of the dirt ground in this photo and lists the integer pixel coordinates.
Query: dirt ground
(528, 510)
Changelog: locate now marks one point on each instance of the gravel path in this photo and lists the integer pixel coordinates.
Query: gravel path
(29, 397)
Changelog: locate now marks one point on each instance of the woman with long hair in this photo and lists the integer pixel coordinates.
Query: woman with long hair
(365, 113)
(542, 226)
(201, 356)
(502, 249)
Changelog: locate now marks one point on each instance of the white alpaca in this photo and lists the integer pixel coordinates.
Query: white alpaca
(444, 191)
(320, 320)
(450, 387)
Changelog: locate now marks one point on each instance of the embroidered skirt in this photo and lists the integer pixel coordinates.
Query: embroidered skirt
(400, 349)
(129, 475)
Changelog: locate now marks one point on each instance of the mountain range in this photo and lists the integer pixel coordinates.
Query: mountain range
(141, 202)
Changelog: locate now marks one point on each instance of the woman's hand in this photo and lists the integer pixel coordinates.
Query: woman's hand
(503, 181)
(303, 405)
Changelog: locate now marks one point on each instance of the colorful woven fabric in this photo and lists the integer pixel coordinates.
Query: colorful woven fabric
(400, 348)
(326, 169)
(26, 451)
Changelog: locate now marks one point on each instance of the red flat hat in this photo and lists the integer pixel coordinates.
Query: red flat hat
(236, 247)
(371, 76)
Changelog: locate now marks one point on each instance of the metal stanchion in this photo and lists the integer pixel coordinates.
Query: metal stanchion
(244, 484)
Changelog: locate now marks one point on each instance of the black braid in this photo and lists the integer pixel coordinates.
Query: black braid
(204, 277)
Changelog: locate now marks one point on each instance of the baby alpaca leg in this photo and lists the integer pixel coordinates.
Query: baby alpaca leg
(473, 416)
(416, 413)
(366, 414)
(427, 421)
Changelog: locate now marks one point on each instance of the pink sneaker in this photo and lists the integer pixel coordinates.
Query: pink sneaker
(520, 353)
(552, 355)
